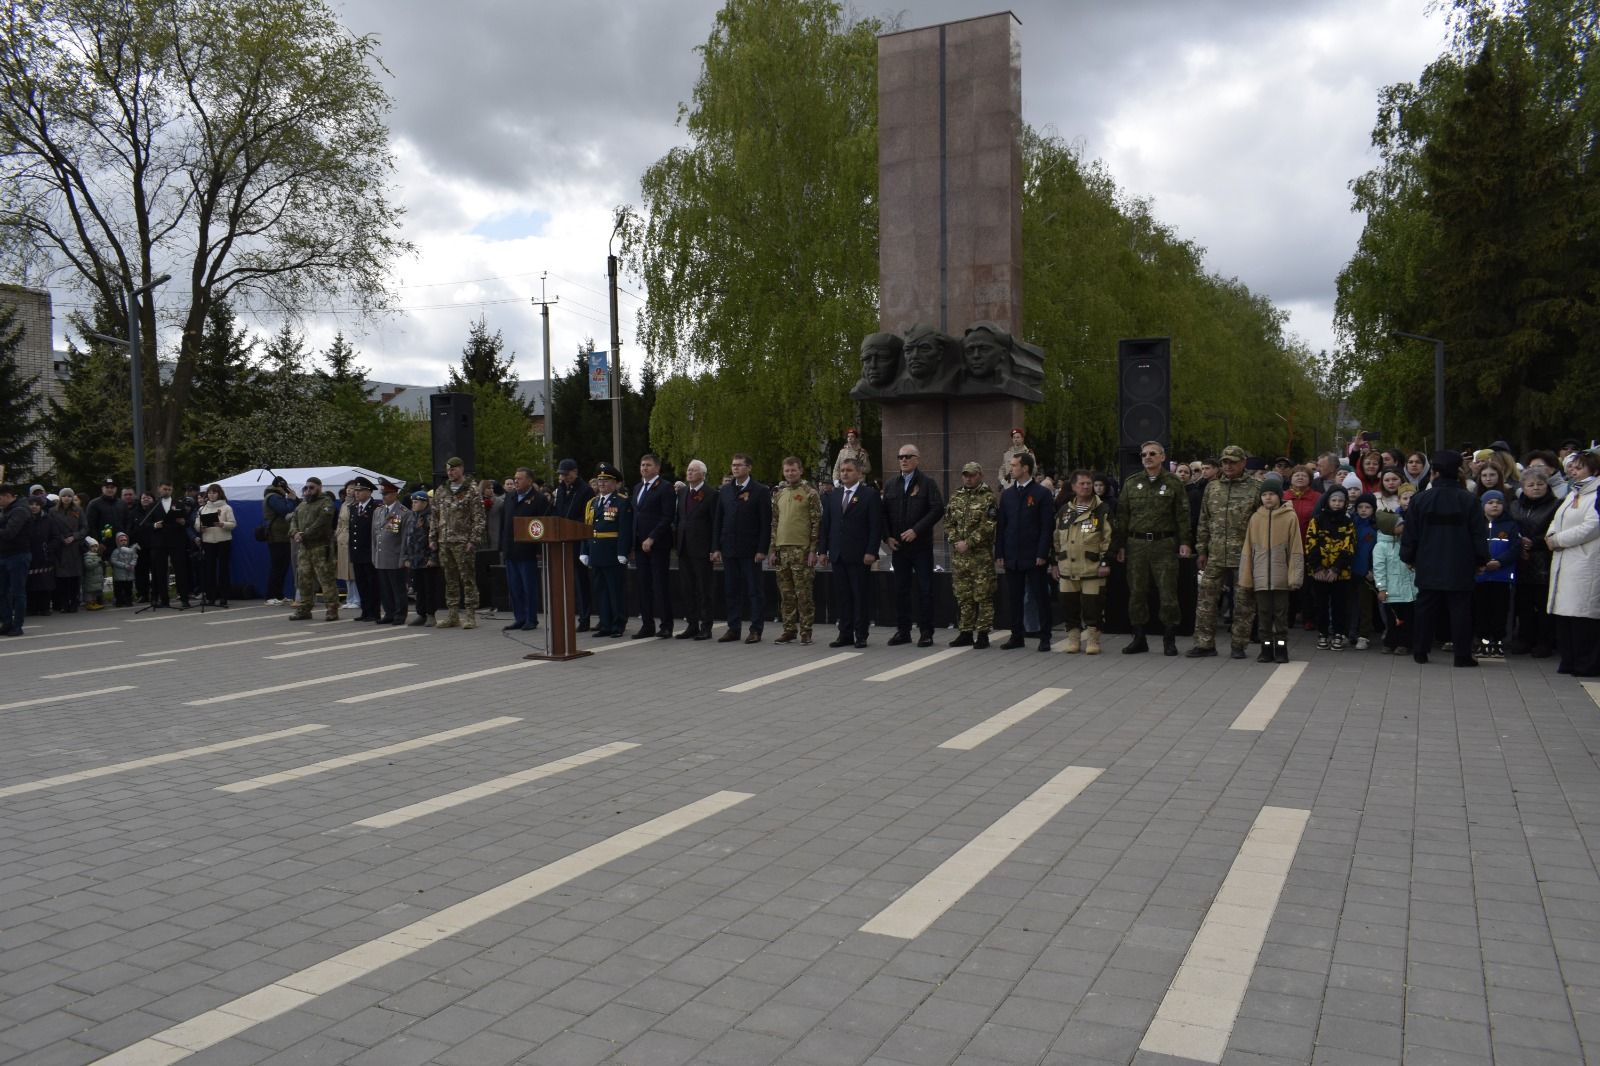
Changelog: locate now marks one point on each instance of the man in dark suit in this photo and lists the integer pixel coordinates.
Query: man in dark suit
(571, 498)
(1022, 544)
(697, 509)
(359, 545)
(741, 531)
(167, 523)
(654, 509)
(1445, 540)
(851, 533)
(605, 553)
(912, 506)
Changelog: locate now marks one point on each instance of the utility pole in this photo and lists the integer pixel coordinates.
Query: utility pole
(136, 373)
(549, 405)
(616, 358)
(1438, 380)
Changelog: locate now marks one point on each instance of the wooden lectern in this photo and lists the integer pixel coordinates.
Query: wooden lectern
(560, 538)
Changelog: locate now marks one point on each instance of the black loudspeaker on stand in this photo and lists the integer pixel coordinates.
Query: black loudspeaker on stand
(450, 415)
(1144, 398)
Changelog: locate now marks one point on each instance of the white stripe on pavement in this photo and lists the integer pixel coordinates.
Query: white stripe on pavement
(234, 1017)
(343, 634)
(911, 914)
(793, 671)
(1196, 1017)
(489, 788)
(1593, 689)
(438, 682)
(236, 621)
(58, 647)
(344, 647)
(341, 761)
(918, 664)
(153, 760)
(302, 683)
(104, 669)
(169, 613)
(57, 635)
(217, 644)
(62, 697)
(1005, 719)
(1258, 713)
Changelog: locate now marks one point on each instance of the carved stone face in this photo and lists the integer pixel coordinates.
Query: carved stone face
(923, 355)
(982, 353)
(880, 361)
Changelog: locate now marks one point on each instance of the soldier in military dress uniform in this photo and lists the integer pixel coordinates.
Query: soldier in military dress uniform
(311, 527)
(457, 530)
(1152, 519)
(609, 515)
(969, 523)
(1225, 509)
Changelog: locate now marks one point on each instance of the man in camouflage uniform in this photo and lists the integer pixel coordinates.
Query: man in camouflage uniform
(311, 527)
(796, 517)
(457, 530)
(1225, 510)
(969, 522)
(852, 450)
(1152, 516)
(1082, 543)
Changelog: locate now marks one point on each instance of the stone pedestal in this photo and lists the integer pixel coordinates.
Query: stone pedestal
(950, 219)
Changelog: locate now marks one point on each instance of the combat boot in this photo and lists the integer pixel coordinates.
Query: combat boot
(332, 614)
(1138, 644)
(963, 639)
(1169, 641)
(982, 640)
(1266, 652)
(452, 620)
(419, 620)
(1073, 645)
(1091, 641)
(301, 614)
(1280, 653)
(472, 619)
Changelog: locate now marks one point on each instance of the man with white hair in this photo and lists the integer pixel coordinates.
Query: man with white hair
(697, 504)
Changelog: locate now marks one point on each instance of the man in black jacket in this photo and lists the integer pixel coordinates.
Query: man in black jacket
(850, 536)
(572, 496)
(654, 508)
(14, 556)
(106, 511)
(1445, 540)
(359, 545)
(523, 502)
(697, 508)
(741, 531)
(1022, 544)
(168, 523)
(912, 506)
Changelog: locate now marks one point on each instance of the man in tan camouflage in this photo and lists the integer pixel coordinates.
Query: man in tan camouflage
(457, 530)
(311, 527)
(969, 522)
(1225, 511)
(796, 516)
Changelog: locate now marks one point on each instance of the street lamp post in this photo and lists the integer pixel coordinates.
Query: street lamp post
(136, 372)
(1438, 381)
(1221, 416)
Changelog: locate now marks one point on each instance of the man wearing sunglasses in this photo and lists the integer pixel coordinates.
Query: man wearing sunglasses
(1152, 520)
(912, 506)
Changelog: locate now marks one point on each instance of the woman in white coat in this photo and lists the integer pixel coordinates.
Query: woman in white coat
(1574, 540)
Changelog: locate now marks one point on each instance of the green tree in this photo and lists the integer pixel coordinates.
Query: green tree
(481, 366)
(20, 419)
(90, 428)
(759, 239)
(226, 388)
(239, 145)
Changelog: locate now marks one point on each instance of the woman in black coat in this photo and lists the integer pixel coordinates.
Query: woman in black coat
(1532, 511)
(44, 544)
(143, 537)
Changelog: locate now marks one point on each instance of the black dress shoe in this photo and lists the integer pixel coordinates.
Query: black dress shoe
(861, 644)
(508, 628)
(842, 642)
(663, 634)
(1044, 645)
(899, 638)
(704, 634)
(583, 626)
(982, 641)
(643, 633)
(688, 634)
(925, 641)
(1015, 642)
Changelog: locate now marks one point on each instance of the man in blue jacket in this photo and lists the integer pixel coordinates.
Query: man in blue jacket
(1445, 540)
(850, 537)
(741, 531)
(1022, 545)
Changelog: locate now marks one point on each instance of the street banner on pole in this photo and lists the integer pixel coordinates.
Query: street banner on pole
(599, 376)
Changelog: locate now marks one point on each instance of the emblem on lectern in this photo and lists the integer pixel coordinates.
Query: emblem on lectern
(535, 529)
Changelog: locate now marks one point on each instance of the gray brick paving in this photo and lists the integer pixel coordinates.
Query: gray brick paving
(1443, 907)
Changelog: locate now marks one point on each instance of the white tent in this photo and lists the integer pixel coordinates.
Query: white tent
(254, 482)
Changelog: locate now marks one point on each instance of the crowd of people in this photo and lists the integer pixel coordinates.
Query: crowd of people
(1474, 552)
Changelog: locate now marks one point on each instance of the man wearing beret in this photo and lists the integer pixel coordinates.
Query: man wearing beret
(609, 516)
(457, 530)
(1225, 509)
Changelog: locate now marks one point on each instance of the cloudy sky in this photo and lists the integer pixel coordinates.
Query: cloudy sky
(519, 125)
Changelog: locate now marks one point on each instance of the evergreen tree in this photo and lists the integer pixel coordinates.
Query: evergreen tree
(90, 429)
(20, 419)
(226, 388)
(481, 365)
(342, 371)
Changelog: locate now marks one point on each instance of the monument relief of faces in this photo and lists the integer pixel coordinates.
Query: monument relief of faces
(880, 359)
(983, 352)
(924, 353)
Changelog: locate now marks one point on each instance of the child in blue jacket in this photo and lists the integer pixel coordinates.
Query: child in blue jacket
(1491, 599)
(1364, 617)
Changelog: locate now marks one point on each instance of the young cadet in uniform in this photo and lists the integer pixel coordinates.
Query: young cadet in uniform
(1083, 555)
(610, 517)
(1152, 516)
(796, 516)
(969, 521)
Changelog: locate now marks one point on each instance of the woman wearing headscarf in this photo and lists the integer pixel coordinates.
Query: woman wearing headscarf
(1574, 542)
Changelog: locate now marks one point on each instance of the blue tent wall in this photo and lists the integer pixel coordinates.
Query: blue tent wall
(250, 559)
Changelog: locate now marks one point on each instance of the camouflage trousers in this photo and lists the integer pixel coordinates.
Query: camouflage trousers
(1212, 580)
(314, 569)
(460, 580)
(973, 579)
(1082, 601)
(1152, 562)
(797, 607)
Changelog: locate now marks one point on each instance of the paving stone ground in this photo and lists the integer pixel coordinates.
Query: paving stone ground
(1443, 905)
